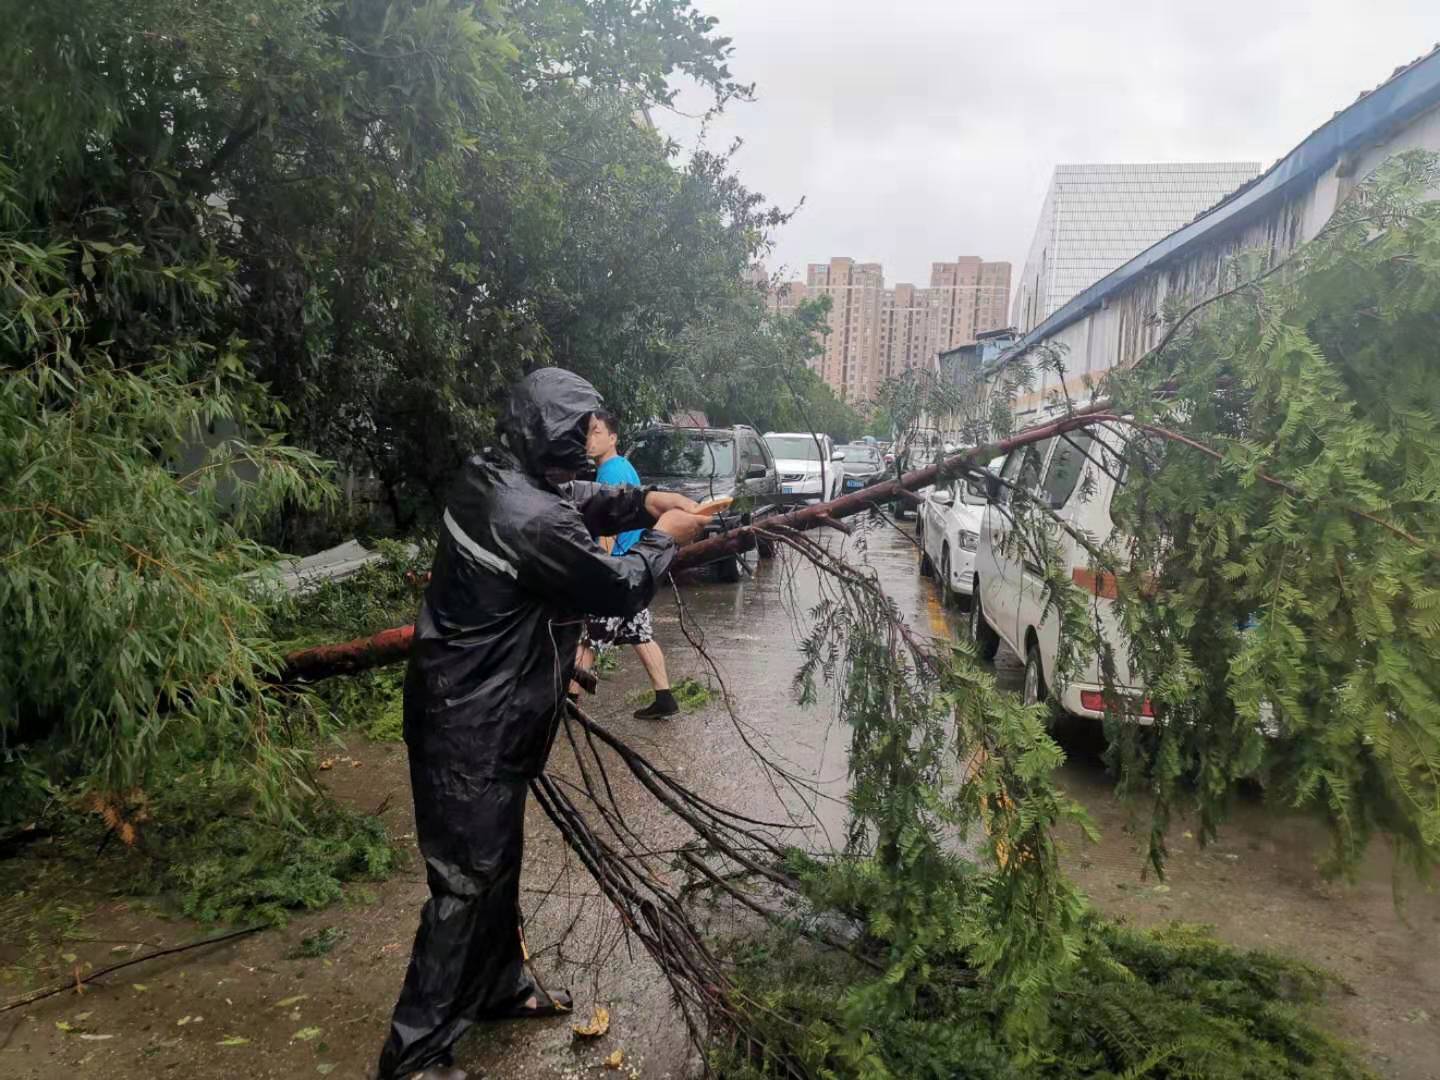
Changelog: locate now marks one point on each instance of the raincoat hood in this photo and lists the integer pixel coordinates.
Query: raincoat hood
(546, 420)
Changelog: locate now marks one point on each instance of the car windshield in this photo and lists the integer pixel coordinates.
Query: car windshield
(860, 458)
(793, 447)
(682, 453)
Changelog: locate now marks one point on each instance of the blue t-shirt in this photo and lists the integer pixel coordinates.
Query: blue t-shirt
(621, 473)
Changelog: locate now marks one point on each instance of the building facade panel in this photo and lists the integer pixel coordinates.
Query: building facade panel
(1096, 217)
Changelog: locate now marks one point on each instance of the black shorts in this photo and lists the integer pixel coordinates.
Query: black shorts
(602, 631)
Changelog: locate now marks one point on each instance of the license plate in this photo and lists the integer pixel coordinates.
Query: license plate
(852, 485)
(787, 489)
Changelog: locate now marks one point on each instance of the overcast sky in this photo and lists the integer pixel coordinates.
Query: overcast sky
(919, 130)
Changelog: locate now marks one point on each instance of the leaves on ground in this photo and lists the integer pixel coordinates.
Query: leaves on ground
(597, 1025)
(317, 944)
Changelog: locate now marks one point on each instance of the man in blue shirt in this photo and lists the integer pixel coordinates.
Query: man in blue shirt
(604, 631)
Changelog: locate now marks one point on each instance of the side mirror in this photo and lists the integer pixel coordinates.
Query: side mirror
(837, 456)
(942, 498)
(756, 472)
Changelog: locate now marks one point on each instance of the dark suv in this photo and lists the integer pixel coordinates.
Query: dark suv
(706, 463)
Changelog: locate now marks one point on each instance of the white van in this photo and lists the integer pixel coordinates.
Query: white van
(1008, 602)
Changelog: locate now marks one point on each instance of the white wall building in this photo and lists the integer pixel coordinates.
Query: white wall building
(1118, 319)
(1097, 217)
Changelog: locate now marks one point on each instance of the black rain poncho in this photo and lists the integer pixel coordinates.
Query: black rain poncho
(494, 650)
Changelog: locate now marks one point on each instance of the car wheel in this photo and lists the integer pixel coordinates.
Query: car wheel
(766, 548)
(947, 594)
(1035, 691)
(927, 568)
(987, 641)
(728, 570)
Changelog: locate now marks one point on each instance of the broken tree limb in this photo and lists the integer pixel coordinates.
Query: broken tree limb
(79, 982)
(348, 657)
(390, 646)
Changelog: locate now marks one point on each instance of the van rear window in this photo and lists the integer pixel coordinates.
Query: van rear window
(1066, 466)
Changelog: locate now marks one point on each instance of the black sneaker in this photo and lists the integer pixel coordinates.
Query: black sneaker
(664, 705)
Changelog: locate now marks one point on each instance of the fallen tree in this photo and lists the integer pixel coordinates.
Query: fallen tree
(392, 645)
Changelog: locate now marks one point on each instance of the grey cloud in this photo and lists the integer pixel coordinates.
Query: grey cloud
(929, 130)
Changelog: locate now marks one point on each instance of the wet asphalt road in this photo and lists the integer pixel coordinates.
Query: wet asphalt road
(1257, 886)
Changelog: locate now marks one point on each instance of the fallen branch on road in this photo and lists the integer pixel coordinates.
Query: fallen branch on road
(80, 981)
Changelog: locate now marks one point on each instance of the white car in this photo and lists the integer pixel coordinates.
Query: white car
(806, 468)
(948, 530)
(1007, 601)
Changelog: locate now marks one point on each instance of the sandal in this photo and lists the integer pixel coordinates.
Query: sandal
(545, 1004)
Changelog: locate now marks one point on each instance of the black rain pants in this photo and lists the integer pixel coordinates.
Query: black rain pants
(467, 960)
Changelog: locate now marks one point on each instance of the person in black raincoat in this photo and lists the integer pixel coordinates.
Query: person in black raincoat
(494, 650)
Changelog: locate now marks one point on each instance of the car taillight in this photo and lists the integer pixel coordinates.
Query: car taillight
(1102, 584)
(1094, 701)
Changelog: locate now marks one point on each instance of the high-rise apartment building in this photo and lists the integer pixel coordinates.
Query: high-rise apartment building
(966, 297)
(1096, 218)
(875, 333)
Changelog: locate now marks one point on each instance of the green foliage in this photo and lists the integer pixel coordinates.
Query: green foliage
(1292, 633)
(137, 627)
(386, 210)
(690, 694)
(234, 868)
(747, 366)
(607, 662)
(1274, 564)
(1274, 552)
(413, 202)
(205, 846)
(941, 761)
(1169, 1003)
(693, 694)
(387, 714)
(352, 222)
(379, 595)
(320, 943)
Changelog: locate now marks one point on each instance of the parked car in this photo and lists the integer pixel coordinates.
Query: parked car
(924, 449)
(862, 466)
(1007, 591)
(706, 463)
(805, 467)
(948, 529)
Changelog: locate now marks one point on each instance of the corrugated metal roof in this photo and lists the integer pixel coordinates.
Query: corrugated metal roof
(1411, 90)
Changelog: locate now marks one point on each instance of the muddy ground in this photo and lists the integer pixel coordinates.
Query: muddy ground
(254, 1008)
